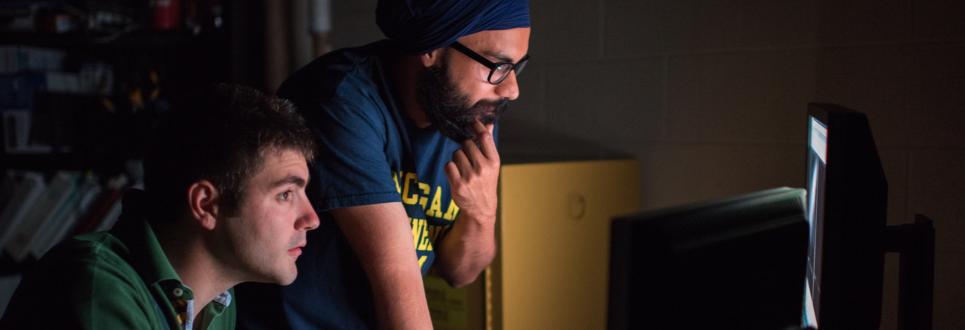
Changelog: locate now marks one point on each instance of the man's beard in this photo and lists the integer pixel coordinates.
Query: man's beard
(448, 110)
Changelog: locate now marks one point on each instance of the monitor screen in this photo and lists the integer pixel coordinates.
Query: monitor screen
(817, 162)
(733, 263)
(846, 211)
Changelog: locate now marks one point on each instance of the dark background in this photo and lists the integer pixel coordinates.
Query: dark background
(709, 95)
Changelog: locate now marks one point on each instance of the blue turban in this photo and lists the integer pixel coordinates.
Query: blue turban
(419, 26)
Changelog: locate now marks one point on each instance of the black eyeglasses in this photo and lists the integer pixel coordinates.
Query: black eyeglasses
(497, 71)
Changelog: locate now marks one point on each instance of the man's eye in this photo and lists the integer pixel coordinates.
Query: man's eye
(285, 196)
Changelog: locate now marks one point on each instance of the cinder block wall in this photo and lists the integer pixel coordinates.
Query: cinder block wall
(711, 97)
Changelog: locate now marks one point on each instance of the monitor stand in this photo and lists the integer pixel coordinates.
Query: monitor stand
(915, 244)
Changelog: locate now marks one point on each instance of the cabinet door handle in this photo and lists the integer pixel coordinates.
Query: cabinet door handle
(576, 205)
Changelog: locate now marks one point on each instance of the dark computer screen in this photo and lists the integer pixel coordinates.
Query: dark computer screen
(847, 201)
(733, 263)
(816, 160)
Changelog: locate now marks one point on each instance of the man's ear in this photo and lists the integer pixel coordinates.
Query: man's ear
(432, 58)
(203, 200)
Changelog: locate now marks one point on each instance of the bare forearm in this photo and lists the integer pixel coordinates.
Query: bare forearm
(400, 301)
(381, 237)
(473, 175)
(467, 250)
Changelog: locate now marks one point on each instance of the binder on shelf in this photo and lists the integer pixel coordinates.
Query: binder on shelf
(64, 218)
(17, 138)
(29, 187)
(18, 58)
(93, 218)
(8, 285)
(111, 217)
(7, 187)
(39, 215)
(17, 89)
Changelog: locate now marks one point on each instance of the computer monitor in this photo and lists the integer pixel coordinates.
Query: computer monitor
(847, 202)
(734, 263)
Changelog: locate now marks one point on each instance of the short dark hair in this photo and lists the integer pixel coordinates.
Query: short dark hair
(221, 134)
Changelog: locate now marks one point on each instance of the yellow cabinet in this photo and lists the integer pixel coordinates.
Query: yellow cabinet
(553, 234)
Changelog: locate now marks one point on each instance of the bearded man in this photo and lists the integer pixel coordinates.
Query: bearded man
(407, 168)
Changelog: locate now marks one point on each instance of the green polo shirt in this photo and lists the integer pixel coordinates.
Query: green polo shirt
(119, 279)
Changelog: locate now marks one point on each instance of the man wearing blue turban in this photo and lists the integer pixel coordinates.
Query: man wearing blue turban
(407, 169)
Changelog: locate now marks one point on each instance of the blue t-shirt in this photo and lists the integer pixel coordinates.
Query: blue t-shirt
(369, 153)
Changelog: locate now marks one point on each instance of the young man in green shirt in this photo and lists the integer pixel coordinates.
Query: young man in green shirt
(224, 203)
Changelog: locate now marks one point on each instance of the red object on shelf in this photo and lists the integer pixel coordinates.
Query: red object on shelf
(166, 14)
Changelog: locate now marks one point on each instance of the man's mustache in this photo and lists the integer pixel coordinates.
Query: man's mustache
(488, 111)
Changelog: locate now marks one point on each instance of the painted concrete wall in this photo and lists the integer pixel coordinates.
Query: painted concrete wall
(711, 97)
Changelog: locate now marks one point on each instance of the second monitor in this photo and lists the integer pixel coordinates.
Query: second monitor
(735, 263)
